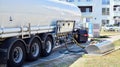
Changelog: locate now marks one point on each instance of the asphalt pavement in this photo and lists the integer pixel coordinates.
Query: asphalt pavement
(62, 51)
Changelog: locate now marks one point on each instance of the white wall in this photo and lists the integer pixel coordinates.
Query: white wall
(97, 10)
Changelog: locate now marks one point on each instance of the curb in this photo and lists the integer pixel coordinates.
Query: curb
(117, 48)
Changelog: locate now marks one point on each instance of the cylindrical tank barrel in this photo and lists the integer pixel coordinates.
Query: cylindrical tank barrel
(16, 13)
(100, 48)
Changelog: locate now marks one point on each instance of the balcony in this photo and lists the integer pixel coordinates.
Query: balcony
(116, 2)
(87, 14)
(116, 13)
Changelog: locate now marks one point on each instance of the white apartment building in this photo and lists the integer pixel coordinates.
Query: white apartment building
(99, 11)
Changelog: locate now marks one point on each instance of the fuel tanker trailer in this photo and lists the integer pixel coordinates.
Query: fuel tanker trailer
(31, 28)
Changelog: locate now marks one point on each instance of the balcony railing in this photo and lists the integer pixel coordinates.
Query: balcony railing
(116, 13)
(87, 14)
(117, 2)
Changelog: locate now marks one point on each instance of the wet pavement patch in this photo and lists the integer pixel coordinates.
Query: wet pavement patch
(56, 54)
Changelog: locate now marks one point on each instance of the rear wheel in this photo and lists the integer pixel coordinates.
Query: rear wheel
(16, 54)
(35, 49)
(48, 47)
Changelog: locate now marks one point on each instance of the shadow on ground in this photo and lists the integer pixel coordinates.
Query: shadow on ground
(60, 57)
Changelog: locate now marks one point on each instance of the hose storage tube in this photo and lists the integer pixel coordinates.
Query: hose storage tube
(100, 48)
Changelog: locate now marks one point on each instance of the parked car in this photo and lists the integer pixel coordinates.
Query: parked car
(81, 36)
(117, 28)
(111, 28)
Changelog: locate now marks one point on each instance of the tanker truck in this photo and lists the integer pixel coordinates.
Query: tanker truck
(31, 28)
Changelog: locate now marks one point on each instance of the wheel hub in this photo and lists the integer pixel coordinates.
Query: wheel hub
(35, 49)
(17, 55)
(48, 46)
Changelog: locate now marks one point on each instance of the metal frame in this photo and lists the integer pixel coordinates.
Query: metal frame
(66, 21)
(25, 32)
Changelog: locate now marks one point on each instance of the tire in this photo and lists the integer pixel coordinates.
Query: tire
(16, 55)
(35, 50)
(48, 47)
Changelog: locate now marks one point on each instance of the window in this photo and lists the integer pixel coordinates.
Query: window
(79, 0)
(87, 10)
(114, 9)
(88, 0)
(119, 9)
(105, 2)
(105, 22)
(70, 0)
(87, 19)
(117, 22)
(105, 11)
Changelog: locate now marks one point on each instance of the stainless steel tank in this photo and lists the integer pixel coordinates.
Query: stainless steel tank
(100, 48)
(41, 15)
(16, 13)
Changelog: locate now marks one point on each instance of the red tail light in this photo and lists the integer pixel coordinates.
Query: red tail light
(85, 35)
